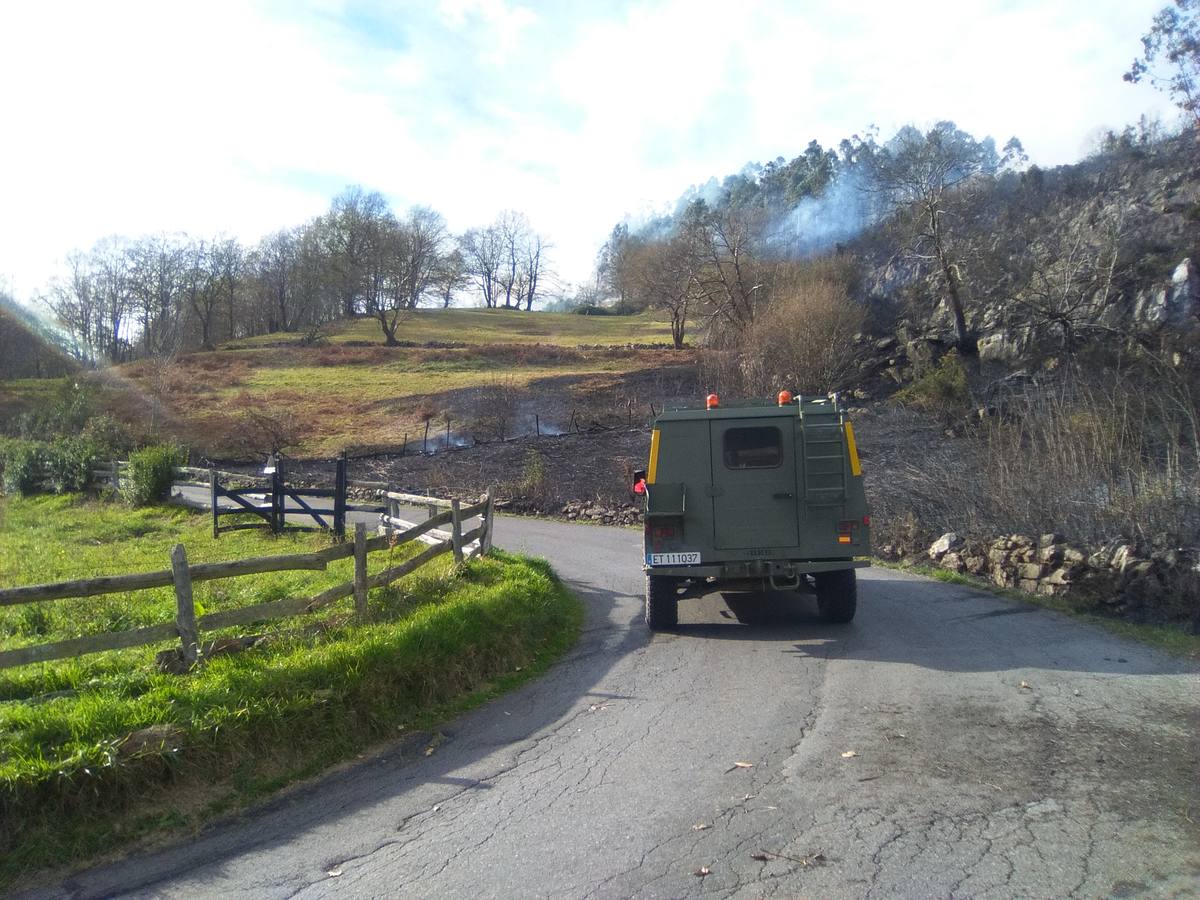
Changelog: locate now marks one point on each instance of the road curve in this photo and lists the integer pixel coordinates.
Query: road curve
(946, 743)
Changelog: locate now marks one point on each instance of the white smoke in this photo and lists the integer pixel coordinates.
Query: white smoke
(818, 224)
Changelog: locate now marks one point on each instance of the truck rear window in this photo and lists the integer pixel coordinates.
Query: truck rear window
(753, 448)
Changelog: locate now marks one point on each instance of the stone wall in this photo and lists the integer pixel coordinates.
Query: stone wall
(1122, 577)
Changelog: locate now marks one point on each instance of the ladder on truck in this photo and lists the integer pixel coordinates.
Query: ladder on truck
(824, 454)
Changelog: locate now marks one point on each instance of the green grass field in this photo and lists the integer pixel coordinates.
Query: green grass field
(319, 690)
(497, 326)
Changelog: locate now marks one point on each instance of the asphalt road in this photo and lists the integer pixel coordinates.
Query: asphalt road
(946, 744)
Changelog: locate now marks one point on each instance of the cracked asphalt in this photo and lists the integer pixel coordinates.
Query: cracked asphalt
(948, 743)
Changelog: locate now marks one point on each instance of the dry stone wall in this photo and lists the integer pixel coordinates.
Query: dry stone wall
(1122, 577)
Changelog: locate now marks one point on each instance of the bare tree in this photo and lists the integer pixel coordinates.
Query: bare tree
(158, 268)
(483, 250)
(451, 276)
(352, 229)
(1069, 276)
(731, 279)
(535, 249)
(665, 275)
(421, 248)
(923, 177)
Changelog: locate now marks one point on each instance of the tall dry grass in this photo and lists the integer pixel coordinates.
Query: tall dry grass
(1094, 453)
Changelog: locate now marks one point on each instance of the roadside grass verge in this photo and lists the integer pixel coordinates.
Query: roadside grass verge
(1162, 637)
(99, 752)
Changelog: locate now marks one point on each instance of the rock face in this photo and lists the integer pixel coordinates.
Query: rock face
(1139, 201)
(1171, 305)
(1122, 577)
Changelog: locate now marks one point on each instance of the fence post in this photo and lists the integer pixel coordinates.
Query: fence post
(360, 571)
(277, 500)
(537, 424)
(340, 482)
(212, 498)
(456, 533)
(489, 522)
(185, 610)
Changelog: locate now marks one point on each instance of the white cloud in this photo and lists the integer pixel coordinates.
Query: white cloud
(133, 117)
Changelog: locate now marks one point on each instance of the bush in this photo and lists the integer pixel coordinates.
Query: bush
(805, 340)
(534, 485)
(150, 473)
(63, 413)
(109, 435)
(70, 462)
(22, 462)
(942, 392)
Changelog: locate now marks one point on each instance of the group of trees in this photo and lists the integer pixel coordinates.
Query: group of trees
(157, 295)
(730, 254)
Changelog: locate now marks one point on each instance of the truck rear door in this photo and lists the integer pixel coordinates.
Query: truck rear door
(754, 484)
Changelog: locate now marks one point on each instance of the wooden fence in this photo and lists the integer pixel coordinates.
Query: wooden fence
(182, 575)
(268, 496)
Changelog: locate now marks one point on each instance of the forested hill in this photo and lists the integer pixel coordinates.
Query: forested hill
(24, 351)
(939, 235)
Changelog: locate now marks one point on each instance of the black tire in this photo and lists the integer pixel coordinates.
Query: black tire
(837, 595)
(662, 606)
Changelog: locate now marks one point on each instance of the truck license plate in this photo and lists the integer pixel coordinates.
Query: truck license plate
(674, 559)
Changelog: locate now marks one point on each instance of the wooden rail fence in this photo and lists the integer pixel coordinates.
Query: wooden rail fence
(182, 575)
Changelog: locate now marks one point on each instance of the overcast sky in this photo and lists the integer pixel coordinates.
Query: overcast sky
(131, 118)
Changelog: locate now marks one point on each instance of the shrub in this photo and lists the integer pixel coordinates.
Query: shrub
(108, 434)
(805, 339)
(64, 412)
(942, 392)
(70, 462)
(150, 473)
(534, 485)
(23, 466)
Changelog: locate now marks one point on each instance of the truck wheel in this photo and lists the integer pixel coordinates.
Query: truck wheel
(837, 595)
(662, 607)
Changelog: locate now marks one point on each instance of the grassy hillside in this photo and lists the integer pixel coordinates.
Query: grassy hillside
(26, 354)
(495, 326)
(486, 372)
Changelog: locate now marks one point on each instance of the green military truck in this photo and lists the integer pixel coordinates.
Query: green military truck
(750, 497)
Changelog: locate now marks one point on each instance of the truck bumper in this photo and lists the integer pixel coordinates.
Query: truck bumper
(758, 568)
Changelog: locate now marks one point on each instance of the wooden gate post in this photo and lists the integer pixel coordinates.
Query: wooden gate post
(489, 522)
(360, 571)
(185, 610)
(277, 505)
(340, 481)
(212, 499)
(456, 533)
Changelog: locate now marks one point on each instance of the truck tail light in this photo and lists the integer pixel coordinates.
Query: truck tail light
(867, 521)
(664, 531)
(845, 532)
